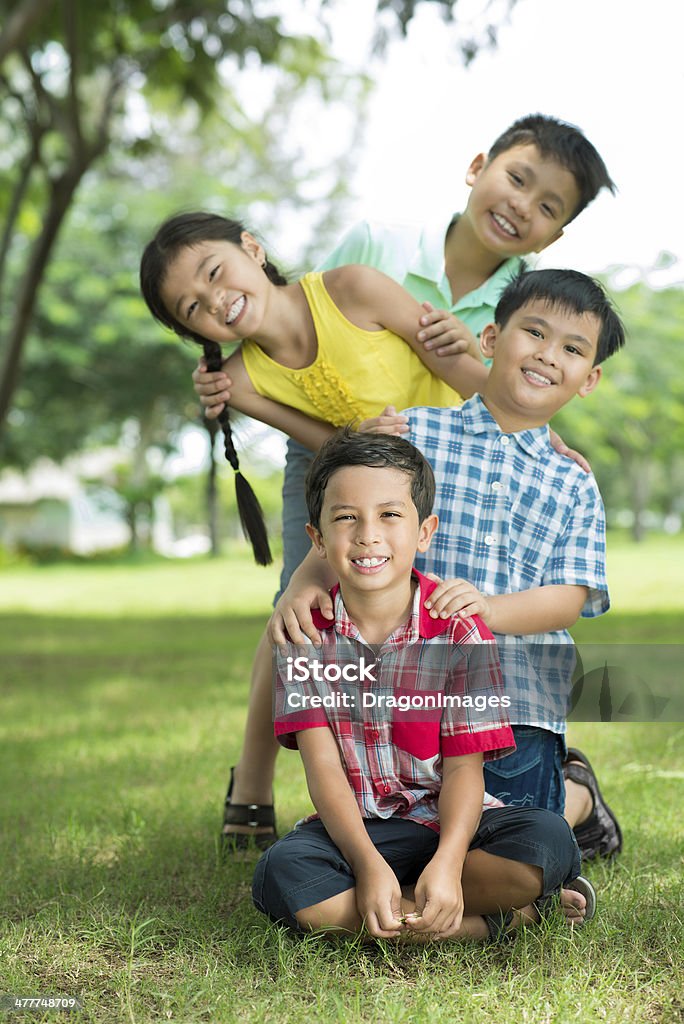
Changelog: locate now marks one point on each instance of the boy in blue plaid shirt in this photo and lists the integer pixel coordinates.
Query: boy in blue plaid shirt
(523, 530)
(394, 714)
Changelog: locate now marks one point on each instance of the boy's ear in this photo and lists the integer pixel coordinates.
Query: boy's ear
(477, 165)
(316, 539)
(591, 382)
(488, 340)
(253, 247)
(426, 532)
(550, 241)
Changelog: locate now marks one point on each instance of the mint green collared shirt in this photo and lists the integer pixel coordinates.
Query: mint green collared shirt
(414, 256)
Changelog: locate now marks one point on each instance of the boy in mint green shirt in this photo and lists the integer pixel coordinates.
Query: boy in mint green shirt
(537, 177)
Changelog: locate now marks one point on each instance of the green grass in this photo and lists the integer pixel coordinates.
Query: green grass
(124, 697)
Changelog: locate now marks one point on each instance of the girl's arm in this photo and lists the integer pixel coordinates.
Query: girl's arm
(371, 300)
(309, 432)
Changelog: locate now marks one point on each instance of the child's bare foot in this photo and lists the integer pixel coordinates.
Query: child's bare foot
(574, 906)
(578, 901)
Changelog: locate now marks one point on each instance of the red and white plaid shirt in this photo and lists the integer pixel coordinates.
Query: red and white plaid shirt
(433, 689)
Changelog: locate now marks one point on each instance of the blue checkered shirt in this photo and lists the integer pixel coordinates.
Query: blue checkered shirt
(513, 515)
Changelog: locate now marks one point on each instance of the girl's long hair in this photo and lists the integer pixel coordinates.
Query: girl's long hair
(176, 234)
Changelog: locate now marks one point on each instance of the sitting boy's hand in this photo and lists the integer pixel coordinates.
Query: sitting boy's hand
(388, 422)
(439, 901)
(213, 389)
(378, 899)
(559, 445)
(444, 332)
(457, 597)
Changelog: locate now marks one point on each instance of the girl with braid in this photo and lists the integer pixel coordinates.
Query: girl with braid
(336, 346)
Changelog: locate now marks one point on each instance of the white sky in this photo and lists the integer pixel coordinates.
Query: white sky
(613, 67)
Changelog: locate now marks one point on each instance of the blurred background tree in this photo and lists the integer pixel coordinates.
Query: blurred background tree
(632, 427)
(112, 116)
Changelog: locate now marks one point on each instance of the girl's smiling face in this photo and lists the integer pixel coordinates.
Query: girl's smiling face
(217, 289)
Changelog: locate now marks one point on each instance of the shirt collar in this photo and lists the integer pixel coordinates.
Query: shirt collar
(419, 626)
(489, 292)
(477, 419)
(428, 263)
(428, 259)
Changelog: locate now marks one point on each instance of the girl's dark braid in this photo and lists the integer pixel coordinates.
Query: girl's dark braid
(249, 509)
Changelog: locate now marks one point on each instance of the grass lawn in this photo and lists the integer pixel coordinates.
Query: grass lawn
(124, 696)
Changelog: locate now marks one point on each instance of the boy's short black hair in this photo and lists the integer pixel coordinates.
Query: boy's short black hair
(349, 447)
(566, 290)
(567, 144)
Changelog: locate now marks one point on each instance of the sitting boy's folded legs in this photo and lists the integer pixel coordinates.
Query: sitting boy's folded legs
(517, 856)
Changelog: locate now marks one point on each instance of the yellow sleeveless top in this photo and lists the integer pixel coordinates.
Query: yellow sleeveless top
(355, 374)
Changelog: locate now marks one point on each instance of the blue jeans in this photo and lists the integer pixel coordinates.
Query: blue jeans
(532, 776)
(296, 544)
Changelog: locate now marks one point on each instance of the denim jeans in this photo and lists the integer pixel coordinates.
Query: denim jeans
(296, 544)
(532, 776)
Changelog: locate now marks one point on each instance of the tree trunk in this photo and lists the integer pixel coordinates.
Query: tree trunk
(640, 479)
(19, 24)
(62, 192)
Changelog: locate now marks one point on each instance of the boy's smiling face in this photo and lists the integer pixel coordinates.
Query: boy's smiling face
(520, 200)
(369, 529)
(542, 357)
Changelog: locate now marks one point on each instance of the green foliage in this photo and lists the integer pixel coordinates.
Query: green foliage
(632, 427)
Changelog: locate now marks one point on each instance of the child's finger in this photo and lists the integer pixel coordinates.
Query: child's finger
(212, 412)
(454, 348)
(378, 931)
(476, 608)
(437, 316)
(577, 457)
(437, 329)
(446, 588)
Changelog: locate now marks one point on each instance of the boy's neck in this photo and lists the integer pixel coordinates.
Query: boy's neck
(377, 615)
(468, 264)
(508, 420)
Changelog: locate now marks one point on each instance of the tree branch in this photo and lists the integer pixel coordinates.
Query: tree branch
(20, 23)
(71, 39)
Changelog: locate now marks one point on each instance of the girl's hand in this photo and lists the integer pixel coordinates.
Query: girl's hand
(291, 616)
(388, 422)
(447, 334)
(212, 389)
(561, 447)
(457, 596)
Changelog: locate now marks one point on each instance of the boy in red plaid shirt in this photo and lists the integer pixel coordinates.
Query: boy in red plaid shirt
(394, 716)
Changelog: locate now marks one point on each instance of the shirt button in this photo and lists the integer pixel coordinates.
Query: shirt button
(497, 485)
(375, 735)
(489, 540)
(386, 789)
(505, 439)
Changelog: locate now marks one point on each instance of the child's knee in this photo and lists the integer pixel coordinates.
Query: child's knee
(558, 837)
